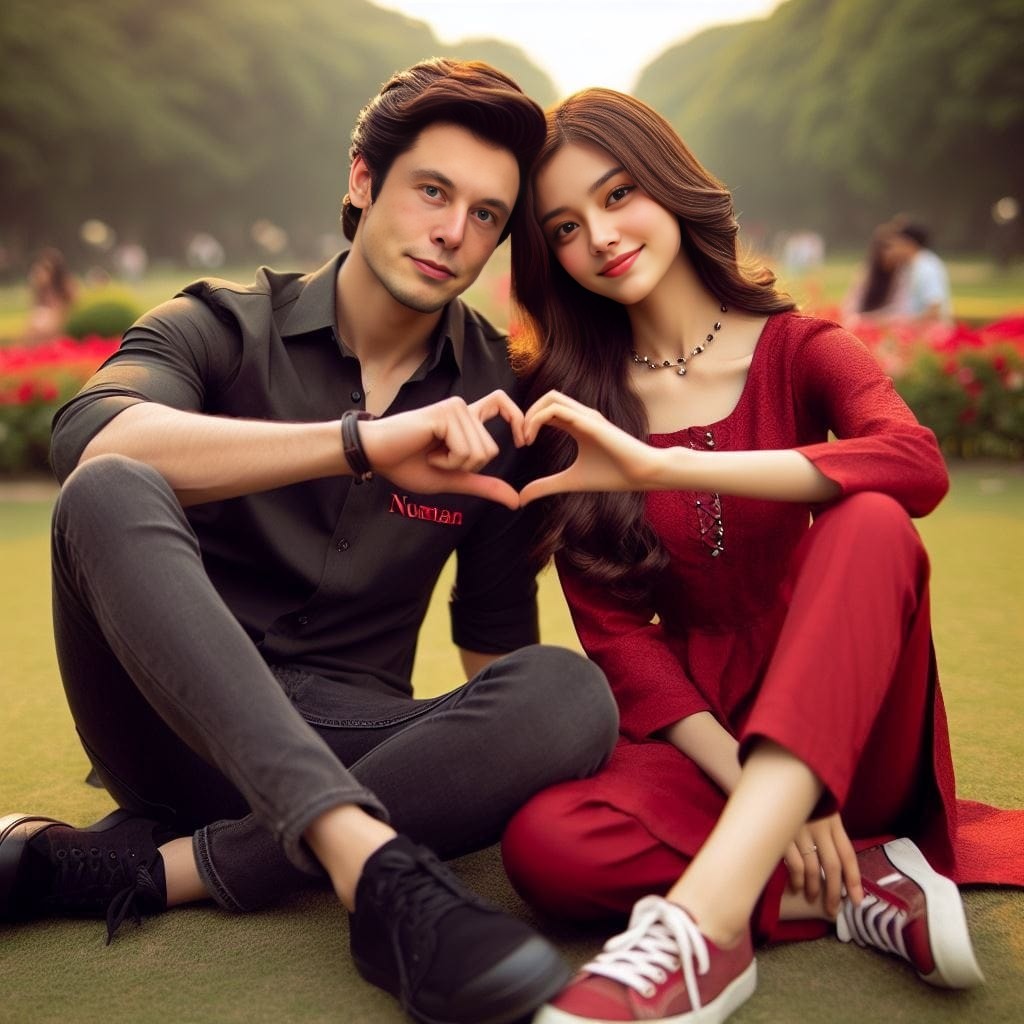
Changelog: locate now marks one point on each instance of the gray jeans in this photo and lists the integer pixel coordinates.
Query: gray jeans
(186, 723)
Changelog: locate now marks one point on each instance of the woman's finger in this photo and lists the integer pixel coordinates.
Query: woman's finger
(832, 869)
(851, 866)
(557, 483)
(812, 872)
(795, 866)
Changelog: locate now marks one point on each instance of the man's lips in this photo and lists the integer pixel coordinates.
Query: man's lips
(619, 265)
(437, 271)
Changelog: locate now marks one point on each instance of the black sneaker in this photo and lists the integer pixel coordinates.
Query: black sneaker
(448, 956)
(111, 869)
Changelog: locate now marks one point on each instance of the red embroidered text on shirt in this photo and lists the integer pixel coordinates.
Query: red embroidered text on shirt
(413, 510)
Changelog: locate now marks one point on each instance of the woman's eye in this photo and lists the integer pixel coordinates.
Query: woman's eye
(620, 193)
(563, 230)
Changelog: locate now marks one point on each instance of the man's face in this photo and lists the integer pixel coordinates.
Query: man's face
(438, 216)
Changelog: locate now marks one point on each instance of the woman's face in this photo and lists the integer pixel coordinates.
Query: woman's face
(609, 236)
(606, 232)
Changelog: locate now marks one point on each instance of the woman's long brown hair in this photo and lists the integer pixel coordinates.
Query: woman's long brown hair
(571, 339)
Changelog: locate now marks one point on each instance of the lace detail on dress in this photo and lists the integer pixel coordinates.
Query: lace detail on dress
(708, 504)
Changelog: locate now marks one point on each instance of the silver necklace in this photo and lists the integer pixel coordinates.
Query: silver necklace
(680, 363)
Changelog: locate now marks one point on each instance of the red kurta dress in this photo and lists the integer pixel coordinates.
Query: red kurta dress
(816, 638)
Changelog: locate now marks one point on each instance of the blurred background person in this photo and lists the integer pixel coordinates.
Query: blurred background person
(53, 291)
(922, 293)
(870, 298)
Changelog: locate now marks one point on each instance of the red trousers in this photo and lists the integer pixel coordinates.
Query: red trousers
(850, 689)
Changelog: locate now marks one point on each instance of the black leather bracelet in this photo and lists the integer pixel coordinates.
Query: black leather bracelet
(352, 444)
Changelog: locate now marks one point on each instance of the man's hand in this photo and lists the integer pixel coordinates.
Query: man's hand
(439, 448)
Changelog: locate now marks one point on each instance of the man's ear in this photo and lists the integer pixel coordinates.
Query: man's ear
(359, 183)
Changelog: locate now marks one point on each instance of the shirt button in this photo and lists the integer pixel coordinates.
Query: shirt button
(342, 545)
(303, 620)
(356, 396)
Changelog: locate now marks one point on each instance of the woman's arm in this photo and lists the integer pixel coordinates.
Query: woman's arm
(705, 741)
(609, 459)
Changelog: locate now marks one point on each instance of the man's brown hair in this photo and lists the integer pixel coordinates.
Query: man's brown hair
(470, 94)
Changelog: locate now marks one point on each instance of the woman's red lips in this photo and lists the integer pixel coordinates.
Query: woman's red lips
(620, 264)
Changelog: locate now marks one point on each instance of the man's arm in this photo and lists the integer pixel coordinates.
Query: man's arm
(437, 448)
(210, 458)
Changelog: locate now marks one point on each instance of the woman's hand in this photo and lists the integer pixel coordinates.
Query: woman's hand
(608, 459)
(440, 447)
(822, 854)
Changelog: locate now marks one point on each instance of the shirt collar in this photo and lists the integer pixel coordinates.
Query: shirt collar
(314, 311)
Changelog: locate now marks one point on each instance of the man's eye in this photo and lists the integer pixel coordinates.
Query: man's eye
(485, 215)
(432, 191)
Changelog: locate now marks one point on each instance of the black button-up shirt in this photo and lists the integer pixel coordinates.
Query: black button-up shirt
(330, 575)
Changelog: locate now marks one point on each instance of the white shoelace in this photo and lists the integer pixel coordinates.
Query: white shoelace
(875, 922)
(661, 938)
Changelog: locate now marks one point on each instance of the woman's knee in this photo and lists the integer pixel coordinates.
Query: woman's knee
(554, 859)
(875, 522)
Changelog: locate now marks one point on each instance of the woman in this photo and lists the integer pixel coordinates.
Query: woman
(871, 299)
(779, 703)
(54, 290)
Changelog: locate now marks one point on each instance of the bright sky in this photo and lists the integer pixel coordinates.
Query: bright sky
(582, 42)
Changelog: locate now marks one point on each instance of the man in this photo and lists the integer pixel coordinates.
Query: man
(240, 575)
(921, 292)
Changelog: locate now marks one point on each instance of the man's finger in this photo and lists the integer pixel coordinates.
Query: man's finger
(498, 403)
(490, 487)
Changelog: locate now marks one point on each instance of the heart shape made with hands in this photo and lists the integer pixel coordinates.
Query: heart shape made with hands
(607, 458)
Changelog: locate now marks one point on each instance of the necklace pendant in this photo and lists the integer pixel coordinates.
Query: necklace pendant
(680, 362)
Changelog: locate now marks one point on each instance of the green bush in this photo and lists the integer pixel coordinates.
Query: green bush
(103, 313)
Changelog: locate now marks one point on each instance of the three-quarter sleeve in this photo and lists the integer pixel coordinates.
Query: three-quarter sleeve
(647, 679)
(880, 445)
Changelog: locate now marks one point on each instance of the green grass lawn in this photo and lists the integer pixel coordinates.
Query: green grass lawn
(290, 964)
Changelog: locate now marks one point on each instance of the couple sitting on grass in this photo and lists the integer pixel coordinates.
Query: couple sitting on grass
(755, 748)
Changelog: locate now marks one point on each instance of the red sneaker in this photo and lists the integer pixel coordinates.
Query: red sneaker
(911, 911)
(661, 969)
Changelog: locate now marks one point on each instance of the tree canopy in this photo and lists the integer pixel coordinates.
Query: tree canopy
(164, 120)
(836, 114)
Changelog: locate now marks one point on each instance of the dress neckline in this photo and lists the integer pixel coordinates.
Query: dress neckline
(755, 365)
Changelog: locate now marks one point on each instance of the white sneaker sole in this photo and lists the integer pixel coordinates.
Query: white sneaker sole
(955, 963)
(730, 999)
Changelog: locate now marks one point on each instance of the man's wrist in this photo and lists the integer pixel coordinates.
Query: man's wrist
(352, 444)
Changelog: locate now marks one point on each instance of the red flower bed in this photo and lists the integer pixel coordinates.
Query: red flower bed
(34, 382)
(966, 383)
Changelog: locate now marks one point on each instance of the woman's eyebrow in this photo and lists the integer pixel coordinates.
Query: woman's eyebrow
(590, 191)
